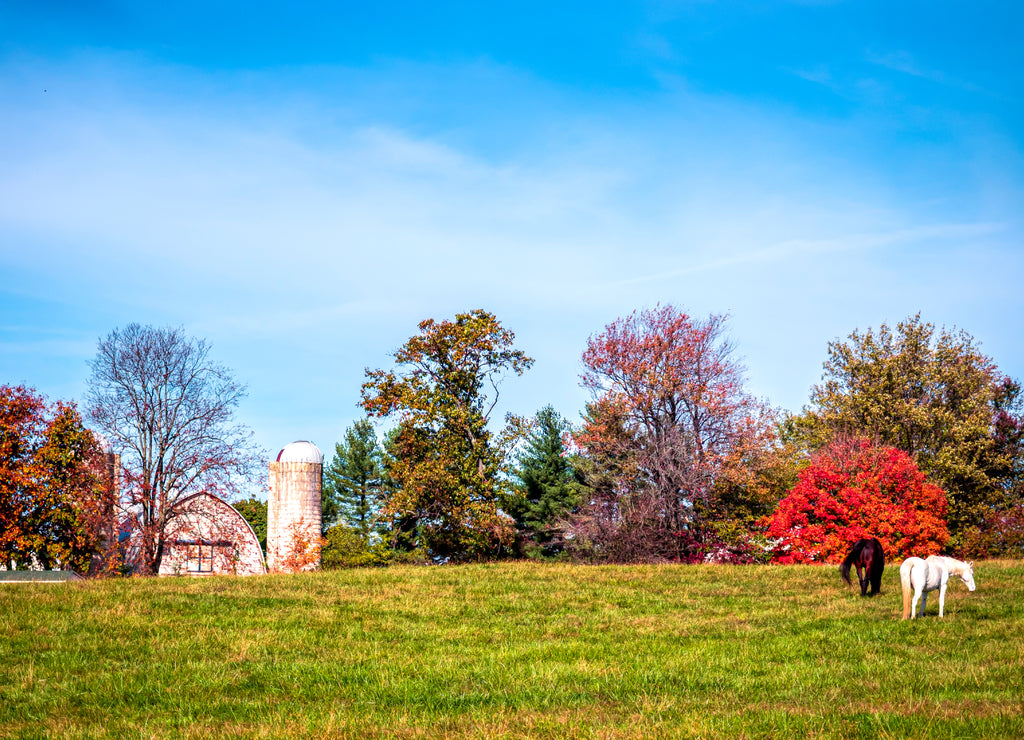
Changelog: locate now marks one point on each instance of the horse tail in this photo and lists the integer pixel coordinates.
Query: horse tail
(908, 591)
(844, 569)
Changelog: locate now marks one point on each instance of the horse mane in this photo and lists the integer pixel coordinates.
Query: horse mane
(954, 566)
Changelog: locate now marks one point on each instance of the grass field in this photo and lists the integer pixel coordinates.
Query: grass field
(512, 650)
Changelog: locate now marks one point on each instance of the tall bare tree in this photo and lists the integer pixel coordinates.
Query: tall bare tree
(169, 410)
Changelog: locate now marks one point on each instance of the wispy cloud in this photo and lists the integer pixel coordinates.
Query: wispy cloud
(793, 251)
(47, 347)
(656, 46)
(905, 62)
(819, 74)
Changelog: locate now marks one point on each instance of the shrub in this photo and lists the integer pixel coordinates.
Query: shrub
(1000, 535)
(345, 547)
(854, 489)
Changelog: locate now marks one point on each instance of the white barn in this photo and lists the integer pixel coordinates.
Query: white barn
(208, 536)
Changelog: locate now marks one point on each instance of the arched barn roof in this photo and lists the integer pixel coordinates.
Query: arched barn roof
(301, 452)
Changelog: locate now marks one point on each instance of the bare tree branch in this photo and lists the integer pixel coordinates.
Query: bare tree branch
(168, 409)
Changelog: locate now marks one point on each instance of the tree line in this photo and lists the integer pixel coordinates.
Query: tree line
(913, 436)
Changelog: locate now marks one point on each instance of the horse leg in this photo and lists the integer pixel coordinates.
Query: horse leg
(924, 601)
(918, 595)
(942, 598)
(862, 576)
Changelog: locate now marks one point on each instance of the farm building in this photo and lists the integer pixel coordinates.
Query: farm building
(294, 509)
(209, 537)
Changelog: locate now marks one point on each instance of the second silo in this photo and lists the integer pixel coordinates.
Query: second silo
(294, 511)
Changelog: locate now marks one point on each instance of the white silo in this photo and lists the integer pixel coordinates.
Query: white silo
(294, 510)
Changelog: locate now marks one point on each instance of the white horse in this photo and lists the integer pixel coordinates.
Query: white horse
(918, 577)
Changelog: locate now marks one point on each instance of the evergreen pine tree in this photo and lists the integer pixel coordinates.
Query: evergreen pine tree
(352, 481)
(545, 482)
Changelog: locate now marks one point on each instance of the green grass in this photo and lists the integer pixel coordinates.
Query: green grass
(512, 650)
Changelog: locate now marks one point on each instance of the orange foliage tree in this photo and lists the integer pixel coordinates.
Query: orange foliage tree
(448, 468)
(53, 494)
(302, 549)
(854, 489)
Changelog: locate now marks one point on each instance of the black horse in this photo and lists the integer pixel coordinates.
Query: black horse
(869, 559)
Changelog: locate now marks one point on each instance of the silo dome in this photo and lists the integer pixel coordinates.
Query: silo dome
(301, 452)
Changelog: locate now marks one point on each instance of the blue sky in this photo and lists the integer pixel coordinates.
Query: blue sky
(302, 183)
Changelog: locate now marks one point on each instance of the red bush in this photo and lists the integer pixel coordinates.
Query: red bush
(854, 489)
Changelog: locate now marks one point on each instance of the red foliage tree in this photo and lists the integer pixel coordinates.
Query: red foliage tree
(670, 427)
(854, 489)
(21, 427)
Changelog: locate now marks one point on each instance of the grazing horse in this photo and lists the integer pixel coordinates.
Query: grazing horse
(869, 558)
(918, 577)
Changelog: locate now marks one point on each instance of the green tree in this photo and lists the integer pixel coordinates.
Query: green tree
(449, 469)
(345, 547)
(931, 394)
(254, 511)
(545, 486)
(352, 481)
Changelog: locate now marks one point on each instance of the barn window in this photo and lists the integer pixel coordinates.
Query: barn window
(200, 558)
(199, 554)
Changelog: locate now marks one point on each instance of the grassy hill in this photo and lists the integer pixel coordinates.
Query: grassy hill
(512, 650)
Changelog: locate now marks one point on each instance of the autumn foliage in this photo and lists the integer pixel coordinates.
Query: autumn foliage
(303, 545)
(853, 489)
(54, 496)
(448, 468)
(669, 430)
(933, 394)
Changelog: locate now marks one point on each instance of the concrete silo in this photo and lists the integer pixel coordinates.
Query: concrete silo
(294, 510)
